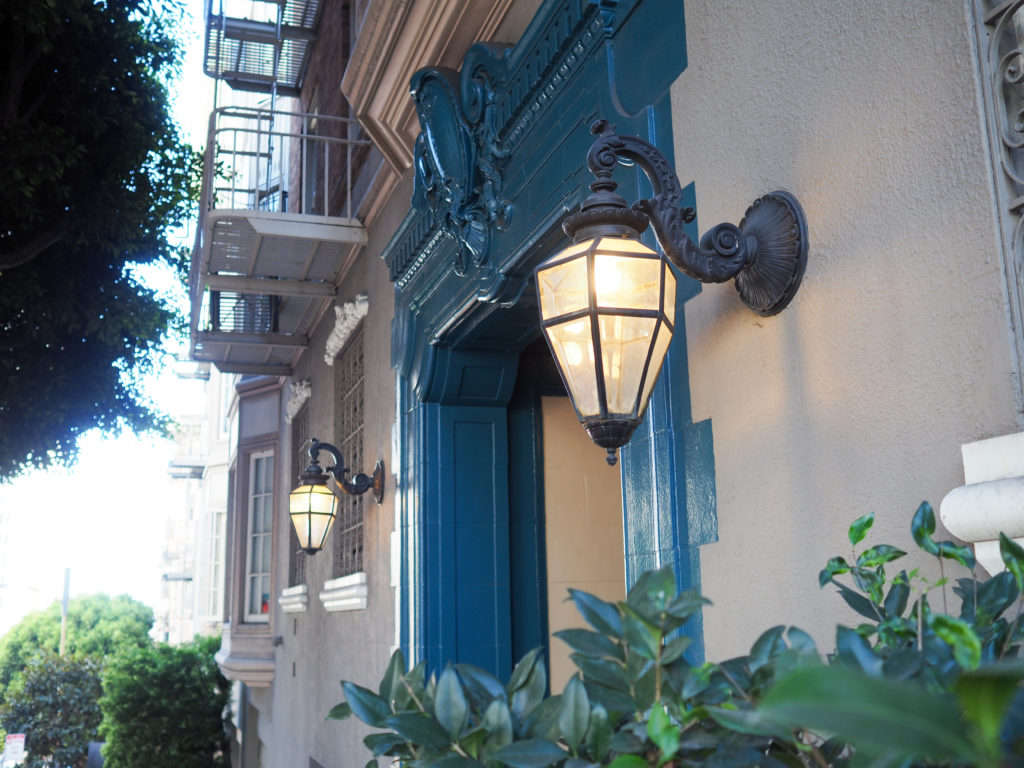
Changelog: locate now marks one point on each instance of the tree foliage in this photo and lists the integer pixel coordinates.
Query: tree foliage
(56, 705)
(95, 175)
(98, 626)
(163, 707)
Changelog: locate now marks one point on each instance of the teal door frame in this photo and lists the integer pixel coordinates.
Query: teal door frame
(499, 162)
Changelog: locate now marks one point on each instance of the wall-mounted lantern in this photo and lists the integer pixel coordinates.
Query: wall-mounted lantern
(607, 302)
(313, 506)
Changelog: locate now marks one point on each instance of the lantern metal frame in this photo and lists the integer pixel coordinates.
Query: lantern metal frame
(766, 254)
(313, 474)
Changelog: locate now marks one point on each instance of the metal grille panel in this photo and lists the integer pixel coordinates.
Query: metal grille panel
(348, 417)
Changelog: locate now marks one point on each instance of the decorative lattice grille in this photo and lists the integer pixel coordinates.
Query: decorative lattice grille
(300, 458)
(348, 417)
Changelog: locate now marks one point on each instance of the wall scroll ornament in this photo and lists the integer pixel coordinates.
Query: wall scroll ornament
(1001, 48)
(346, 318)
(299, 393)
(457, 156)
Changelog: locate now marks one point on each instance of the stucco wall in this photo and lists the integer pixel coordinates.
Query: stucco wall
(354, 645)
(896, 349)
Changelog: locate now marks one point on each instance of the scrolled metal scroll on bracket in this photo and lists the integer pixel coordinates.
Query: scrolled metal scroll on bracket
(766, 253)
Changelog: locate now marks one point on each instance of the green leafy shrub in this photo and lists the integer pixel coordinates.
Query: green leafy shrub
(906, 685)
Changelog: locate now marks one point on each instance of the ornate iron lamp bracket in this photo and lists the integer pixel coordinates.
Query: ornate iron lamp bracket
(358, 485)
(766, 253)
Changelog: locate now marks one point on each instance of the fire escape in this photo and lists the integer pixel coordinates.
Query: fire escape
(276, 221)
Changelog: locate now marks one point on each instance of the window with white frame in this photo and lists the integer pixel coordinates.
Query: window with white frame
(259, 533)
(215, 596)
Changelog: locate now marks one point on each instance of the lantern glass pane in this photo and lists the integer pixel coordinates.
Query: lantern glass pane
(670, 294)
(573, 345)
(563, 288)
(627, 282)
(662, 338)
(625, 342)
(312, 509)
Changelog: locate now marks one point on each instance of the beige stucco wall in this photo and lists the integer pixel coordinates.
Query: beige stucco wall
(896, 350)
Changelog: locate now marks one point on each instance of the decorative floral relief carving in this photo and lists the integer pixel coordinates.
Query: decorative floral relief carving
(1001, 39)
(299, 393)
(346, 318)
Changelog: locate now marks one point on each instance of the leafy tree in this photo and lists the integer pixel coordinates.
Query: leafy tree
(163, 708)
(95, 176)
(98, 626)
(56, 705)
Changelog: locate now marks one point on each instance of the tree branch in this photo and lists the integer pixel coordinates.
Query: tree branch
(23, 254)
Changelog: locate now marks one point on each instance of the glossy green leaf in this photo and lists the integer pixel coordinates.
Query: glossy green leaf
(752, 721)
(601, 615)
(498, 722)
(530, 753)
(599, 733)
(993, 597)
(860, 527)
(531, 692)
(340, 711)
(450, 706)
(801, 641)
(542, 722)
(641, 636)
(392, 676)
(767, 646)
(869, 581)
(418, 729)
(1013, 557)
(579, 762)
(687, 604)
(523, 670)
(879, 555)
(591, 643)
(876, 714)
(854, 651)
(922, 526)
(628, 761)
(382, 743)
(895, 602)
(574, 713)
(480, 685)
(833, 568)
(663, 732)
(675, 648)
(365, 704)
(457, 761)
(370, 764)
(652, 593)
(858, 602)
(985, 695)
(960, 636)
(957, 552)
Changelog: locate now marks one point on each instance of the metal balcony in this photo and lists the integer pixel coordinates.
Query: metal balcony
(260, 45)
(276, 229)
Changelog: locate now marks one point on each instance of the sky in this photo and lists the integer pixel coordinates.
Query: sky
(105, 518)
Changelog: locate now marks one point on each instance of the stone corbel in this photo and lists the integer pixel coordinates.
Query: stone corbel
(991, 501)
(299, 394)
(346, 318)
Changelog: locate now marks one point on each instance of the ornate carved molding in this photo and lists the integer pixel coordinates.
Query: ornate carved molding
(1001, 49)
(299, 393)
(397, 38)
(346, 318)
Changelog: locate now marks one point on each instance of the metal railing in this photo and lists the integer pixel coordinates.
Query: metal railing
(281, 162)
(243, 312)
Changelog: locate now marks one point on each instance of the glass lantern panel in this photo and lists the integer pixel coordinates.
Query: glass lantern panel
(563, 287)
(670, 293)
(627, 282)
(662, 338)
(573, 345)
(625, 342)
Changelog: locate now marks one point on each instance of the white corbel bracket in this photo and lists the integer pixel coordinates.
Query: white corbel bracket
(346, 318)
(300, 393)
(991, 501)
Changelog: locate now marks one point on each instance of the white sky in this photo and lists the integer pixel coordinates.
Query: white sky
(105, 519)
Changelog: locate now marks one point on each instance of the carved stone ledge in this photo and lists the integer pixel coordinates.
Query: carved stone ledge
(347, 593)
(247, 659)
(300, 392)
(346, 318)
(992, 499)
(294, 599)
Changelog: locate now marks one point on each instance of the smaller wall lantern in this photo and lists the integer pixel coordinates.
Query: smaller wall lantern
(607, 302)
(313, 506)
